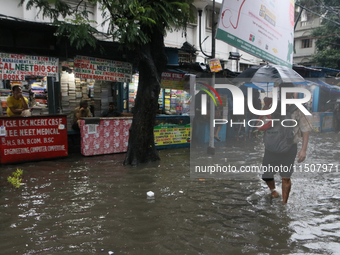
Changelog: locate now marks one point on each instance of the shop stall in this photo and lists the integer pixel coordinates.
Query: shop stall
(173, 98)
(32, 138)
(101, 135)
(33, 74)
(98, 81)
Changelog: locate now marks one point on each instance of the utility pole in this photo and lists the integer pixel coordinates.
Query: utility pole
(200, 5)
(211, 147)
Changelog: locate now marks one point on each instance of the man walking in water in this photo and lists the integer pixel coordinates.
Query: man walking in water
(286, 159)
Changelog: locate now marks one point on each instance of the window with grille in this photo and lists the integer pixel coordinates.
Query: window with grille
(306, 43)
(209, 17)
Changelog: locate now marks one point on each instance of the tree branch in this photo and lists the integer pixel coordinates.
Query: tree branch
(76, 10)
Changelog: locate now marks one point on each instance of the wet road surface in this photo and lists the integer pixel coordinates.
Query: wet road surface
(94, 205)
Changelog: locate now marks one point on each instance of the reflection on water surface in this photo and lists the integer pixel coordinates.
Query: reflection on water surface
(81, 204)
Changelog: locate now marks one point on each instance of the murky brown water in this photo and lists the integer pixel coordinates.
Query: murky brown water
(83, 205)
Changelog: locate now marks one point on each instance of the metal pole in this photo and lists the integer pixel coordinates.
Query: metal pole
(297, 20)
(211, 148)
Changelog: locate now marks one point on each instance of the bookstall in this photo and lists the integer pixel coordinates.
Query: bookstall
(95, 80)
(30, 73)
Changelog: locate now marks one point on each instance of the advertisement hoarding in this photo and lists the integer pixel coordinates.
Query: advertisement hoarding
(263, 28)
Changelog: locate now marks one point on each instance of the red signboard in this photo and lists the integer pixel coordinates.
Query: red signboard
(32, 138)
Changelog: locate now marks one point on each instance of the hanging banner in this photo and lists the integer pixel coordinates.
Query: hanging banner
(16, 67)
(263, 28)
(102, 69)
(172, 80)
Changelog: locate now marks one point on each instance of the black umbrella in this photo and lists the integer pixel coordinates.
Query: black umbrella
(269, 73)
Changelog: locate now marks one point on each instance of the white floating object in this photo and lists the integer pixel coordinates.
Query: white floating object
(150, 194)
(111, 252)
(180, 191)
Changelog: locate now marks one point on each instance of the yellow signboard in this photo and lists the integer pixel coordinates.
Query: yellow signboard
(172, 135)
(215, 65)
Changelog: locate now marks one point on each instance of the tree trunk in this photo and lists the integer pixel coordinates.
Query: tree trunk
(141, 148)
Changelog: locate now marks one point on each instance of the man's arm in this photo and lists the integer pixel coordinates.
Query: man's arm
(78, 114)
(14, 110)
(303, 152)
(24, 102)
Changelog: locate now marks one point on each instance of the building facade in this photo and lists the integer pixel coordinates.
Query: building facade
(176, 39)
(10, 10)
(304, 43)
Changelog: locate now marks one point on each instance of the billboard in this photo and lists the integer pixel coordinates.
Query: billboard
(263, 28)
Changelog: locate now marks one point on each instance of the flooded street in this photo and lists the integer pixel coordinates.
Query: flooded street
(94, 205)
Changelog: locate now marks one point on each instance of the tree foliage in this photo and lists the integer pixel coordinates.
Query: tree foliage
(131, 22)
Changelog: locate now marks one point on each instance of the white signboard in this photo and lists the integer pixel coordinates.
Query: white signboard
(263, 28)
(102, 69)
(16, 66)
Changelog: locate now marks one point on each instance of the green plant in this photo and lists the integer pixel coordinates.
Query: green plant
(15, 178)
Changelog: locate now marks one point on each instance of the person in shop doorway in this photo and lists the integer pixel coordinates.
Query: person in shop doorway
(80, 112)
(16, 103)
(111, 112)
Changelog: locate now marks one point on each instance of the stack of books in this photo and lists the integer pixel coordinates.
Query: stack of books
(72, 92)
(84, 90)
(97, 92)
(65, 103)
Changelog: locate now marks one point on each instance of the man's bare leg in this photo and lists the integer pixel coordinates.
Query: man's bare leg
(271, 185)
(217, 130)
(286, 185)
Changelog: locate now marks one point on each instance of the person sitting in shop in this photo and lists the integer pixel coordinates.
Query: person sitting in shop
(16, 103)
(111, 112)
(80, 112)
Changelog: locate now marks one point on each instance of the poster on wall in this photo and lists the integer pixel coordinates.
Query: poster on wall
(16, 66)
(263, 28)
(172, 134)
(327, 122)
(102, 69)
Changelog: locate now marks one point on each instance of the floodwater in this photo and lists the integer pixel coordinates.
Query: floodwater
(94, 205)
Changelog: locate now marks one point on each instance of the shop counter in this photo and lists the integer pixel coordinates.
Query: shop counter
(111, 135)
(104, 135)
(32, 138)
